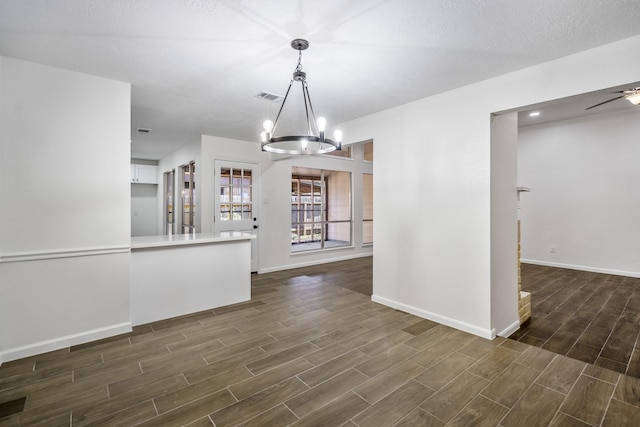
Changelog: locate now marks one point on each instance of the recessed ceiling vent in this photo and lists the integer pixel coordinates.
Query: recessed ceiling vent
(269, 96)
(143, 130)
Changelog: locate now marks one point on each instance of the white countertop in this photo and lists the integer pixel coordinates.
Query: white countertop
(141, 242)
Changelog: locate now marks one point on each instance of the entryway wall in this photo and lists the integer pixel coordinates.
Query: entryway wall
(582, 212)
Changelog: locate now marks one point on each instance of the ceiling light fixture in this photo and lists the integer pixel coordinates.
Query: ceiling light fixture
(634, 98)
(314, 142)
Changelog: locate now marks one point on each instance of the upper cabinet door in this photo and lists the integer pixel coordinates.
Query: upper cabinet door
(144, 174)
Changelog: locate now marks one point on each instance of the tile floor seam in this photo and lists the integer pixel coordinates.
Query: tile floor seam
(569, 393)
(155, 407)
(615, 387)
(578, 419)
(634, 350)
(292, 411)
(492, 400)
(535, 381)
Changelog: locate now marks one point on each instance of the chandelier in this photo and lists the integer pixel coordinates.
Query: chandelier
(314, 142)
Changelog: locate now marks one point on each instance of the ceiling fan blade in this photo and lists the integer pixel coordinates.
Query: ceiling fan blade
(605, 102)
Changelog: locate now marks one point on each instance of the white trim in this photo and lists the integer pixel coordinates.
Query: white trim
(315, 262)
(467, 327)
(63, 342)
(62, 253)
(583, 268)
(510, 329)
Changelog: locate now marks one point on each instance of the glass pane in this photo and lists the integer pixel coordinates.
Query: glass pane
(368, 151)
(237, 194)
(246, 194)
(246, 215)
(246, 177)
(224, 194)
(169, 178)
(338, 196)
(188, 197)
(367, 196)
(344, 152)
(224, 176)
(338, 234)
(224, 216)
(367, 232)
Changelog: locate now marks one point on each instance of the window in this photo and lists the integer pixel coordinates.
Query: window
(235, 194)
(367, 208)
(368, 151)
(189, 198)
(343, 152)
(320, 209)
(169, 195)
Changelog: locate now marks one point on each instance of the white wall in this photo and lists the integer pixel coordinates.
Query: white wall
(584, 202)
(64, 216)
(433, 157)
(144, 209)
(504, 231)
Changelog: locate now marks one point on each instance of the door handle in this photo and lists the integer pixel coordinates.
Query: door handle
(255, 226)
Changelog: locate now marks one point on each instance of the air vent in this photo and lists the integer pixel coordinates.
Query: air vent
(269, 96)
(143, 130)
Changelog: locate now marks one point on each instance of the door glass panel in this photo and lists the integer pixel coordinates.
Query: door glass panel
(235, 187)
(168, 202)
(188, 198)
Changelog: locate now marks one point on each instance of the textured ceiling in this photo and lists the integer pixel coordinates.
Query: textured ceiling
(196, 66)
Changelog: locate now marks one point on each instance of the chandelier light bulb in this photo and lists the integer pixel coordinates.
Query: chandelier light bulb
(303, 143)
(322, 124)
(268, 126)
(337, 135)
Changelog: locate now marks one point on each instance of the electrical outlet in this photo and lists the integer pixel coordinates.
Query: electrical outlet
(552, 249)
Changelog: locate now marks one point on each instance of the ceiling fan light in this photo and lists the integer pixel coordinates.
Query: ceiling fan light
(634, 98)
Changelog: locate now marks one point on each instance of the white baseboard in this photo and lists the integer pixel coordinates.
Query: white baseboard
(63, 342)
(314, 262)
(635, 274)
(463, 326)
(509, 329)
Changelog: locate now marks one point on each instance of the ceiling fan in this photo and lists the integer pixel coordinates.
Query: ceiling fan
(631, 95)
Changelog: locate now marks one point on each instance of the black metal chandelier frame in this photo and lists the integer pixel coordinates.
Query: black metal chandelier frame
(315, 142)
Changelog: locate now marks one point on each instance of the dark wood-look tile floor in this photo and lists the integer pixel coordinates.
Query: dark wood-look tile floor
(591, 317)
(311, 348)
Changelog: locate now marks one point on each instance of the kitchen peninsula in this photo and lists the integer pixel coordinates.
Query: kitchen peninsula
(174, 275)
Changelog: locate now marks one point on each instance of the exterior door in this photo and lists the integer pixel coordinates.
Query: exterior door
(236, 196)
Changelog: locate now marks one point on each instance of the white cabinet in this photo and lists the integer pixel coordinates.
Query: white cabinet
(144, 174)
